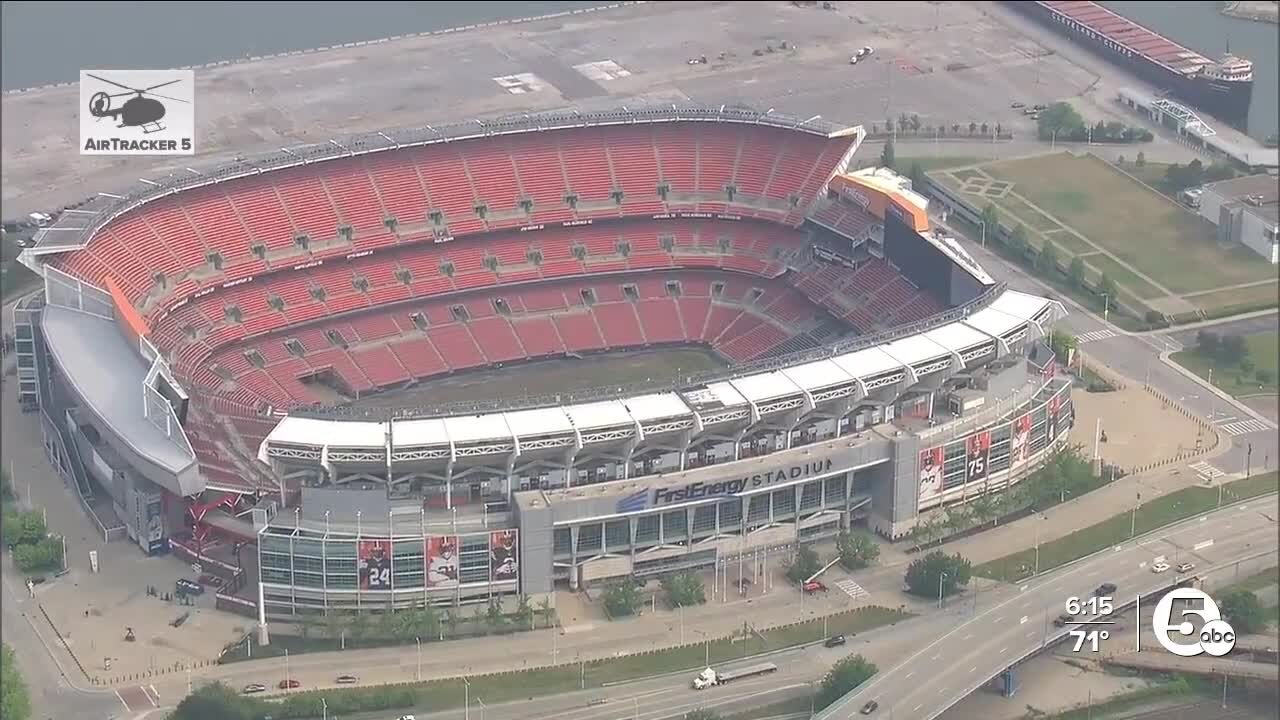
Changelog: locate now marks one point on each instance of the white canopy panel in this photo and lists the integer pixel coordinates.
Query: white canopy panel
(867, 363)
(1019, 305)
(915, 349)
(418, 433)
(958, 337)
(721, 393)
(539, 421)
(477, 428)
(993, 322)
(606, 413)
(817, 375)
(766, 386)
(657, 406)
(318, 433)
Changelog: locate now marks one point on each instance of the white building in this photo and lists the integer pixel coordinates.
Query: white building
(1245, 211)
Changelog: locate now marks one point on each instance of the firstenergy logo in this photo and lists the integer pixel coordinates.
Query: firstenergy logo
(1216, 636)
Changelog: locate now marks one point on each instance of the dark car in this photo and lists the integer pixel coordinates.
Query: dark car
(1062, 620)
(1105, 589)
(347, 680)
(870, 707)
(289, 684)
(834, 641)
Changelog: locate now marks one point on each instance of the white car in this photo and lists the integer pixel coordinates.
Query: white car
(1159, 567)
(405, 717)
(1186, 567)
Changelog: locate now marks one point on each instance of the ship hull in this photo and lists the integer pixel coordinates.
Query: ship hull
(1226, 101)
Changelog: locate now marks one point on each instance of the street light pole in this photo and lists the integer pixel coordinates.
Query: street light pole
(1037, 546)
(286, 669)
(324, 709)
(418, 675)
(941, 577)
(1106, 306)
(1133, 517)
(466, 699)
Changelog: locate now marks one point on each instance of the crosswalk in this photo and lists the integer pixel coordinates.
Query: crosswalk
(1206, 470)
(1244, 427)
(1094, 335)
(852, 589)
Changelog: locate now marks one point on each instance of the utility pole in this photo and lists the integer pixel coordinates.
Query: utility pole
(941, 577)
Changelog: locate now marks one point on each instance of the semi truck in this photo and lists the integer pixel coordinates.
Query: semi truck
(711, 676)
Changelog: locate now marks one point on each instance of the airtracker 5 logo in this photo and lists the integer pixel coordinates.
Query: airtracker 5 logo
(137, 112)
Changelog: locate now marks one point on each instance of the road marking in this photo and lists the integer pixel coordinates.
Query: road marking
(1093, 335)
(1023, 620)
(1004, 650)
(908, 677)
(1202, 545)
(973, 669)
(852, 589)
(1244, 427)
(966, 637)
(1000, 619)
(1095, 573)
(122, 702)
(917, 708)
(935, 657)
(1206, 470)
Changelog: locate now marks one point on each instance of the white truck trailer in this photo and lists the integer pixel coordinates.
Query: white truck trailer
(711, 676)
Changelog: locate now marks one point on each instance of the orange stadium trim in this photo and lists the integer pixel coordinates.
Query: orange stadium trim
(130, 322)
(878, 202)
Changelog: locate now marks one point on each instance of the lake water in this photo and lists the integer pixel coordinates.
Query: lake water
(1200, 26)
(48, 42)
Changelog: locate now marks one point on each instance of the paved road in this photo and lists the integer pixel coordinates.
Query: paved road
(952, 666)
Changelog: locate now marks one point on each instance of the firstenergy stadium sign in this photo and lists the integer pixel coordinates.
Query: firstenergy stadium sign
(722, 488)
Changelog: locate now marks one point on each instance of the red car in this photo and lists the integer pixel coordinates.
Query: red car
(814, 586)
(289, 684)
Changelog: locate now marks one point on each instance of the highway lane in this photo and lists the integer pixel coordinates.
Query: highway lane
(979, 648)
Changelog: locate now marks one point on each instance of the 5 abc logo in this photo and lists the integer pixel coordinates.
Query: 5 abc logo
(1216, 636)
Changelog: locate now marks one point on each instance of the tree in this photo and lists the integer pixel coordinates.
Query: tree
(999, 129)
(1233, 349)
(494, 616)
(1141, 160)
(917, 177)
(1207, 343)
(1155, 318)
(684, 589)
(973, 127)
(985, 128)
(805, 564)
(1263, 376)
(886, 155)
(924, 574)
(1181, 177)
(1047, 258)
(1018, 242)
(1244, 612)
(622, 598)
(915, 123)
(15, 701)
(524, 612)
(1120, 160)
(1062, 344)
(23, 527)
(846, 675)
(955, 129)
(903, 123)
(544, 607)
(216, 702)
(990, 218)
(1076, 272)
(702, 714)
(43, 555)
(1107, 286)
(1060, 120)
(857, 550)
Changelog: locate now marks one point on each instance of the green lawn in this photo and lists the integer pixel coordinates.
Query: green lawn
(1257, 581)
(1262, 348)
(1124, 276)
(1014, 206)
(1151, 515)
(1145, 229)
(1238, 300)
(1068, 243)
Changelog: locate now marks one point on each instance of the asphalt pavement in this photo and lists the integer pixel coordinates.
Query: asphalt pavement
(1018, 623)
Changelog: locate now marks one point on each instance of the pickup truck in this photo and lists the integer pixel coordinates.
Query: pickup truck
(711, 676)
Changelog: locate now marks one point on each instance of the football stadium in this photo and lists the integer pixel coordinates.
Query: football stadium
(254, 352)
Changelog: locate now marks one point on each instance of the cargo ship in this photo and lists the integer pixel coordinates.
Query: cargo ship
(1221, 88)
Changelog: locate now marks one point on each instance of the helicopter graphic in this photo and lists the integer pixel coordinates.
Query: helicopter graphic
(138, 111)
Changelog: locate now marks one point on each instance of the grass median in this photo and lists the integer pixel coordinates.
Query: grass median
(1151, 515)
(527, 684)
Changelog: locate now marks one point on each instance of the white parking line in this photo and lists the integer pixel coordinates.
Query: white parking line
(973, 669)
(917, 708)
(966, 637)
(122, 702)
(908, 677)
(1004, 650)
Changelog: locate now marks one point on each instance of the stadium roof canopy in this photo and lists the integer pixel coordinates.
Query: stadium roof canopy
(971, 332)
